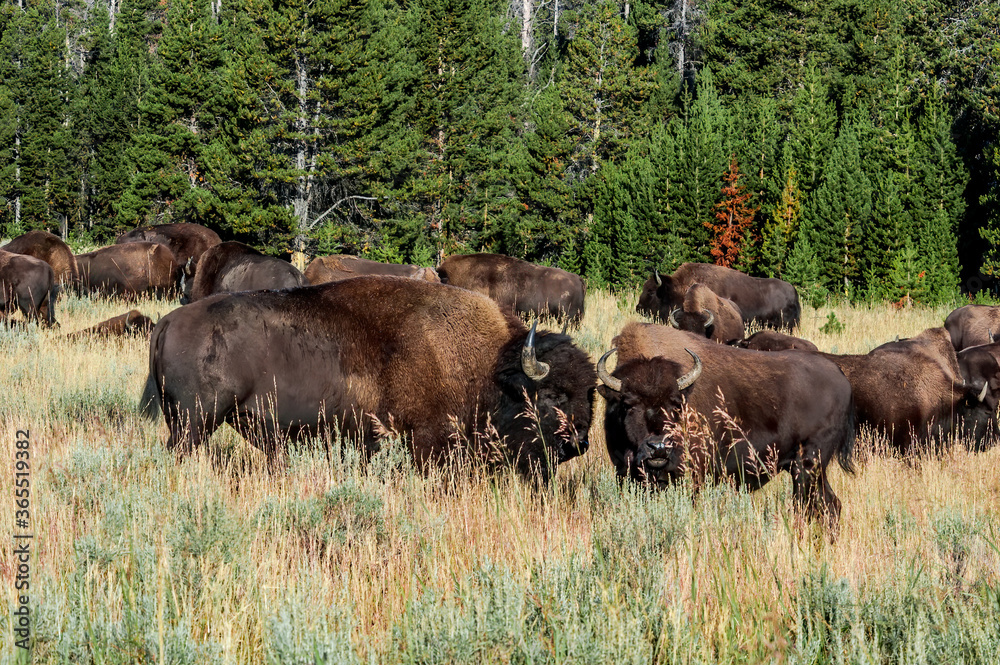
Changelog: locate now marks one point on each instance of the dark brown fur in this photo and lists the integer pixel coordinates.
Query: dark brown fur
(909, 390)
(768, 302)
(980, 368)
(793, 408)
(29, 285)
(701, 305)
(231, 267)
(517, 286)
(49, 248)
(417, 356)
(335, 268)
(772, 340)
(132, 322)
(972, 325)
(128, 270)
(185, 241)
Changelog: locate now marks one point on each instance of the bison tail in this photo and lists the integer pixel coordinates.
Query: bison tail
(50, 318)
(149, 403)
(845, 453)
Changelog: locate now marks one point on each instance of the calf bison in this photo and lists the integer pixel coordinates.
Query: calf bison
(336, 268)
(704, 313)
(769, 302)
(130, 270)
(973, 325)
(49, 248)
(442, 365)
(132, 322)
(980, 369)
(517, 286)
(231, 267)
(772, 340)
(783, 411)
(187, 242)
(908, 390)
(27, 284)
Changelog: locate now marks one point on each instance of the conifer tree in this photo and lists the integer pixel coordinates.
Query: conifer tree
(781, 230)
(734, 219)
(812, 130)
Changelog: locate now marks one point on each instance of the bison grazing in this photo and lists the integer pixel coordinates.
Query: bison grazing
(705, 313)
(27, 284)
(785, 411)
(973, 325)
(231, 267)
(517, 286)
(421, 358)
(336, 268)
(980, 369)
(187, 242)
(49, 248)
(768, 302)
(909, 389)
(132, 322)
(128, 270)
(772, 340)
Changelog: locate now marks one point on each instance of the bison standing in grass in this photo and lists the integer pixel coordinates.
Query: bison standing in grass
(704, 313)
(49, 248)
(187, 242)
(231, 267)
(441, 365)
(29, 285)
(973, 325)
(335, 268)
(132, 270)
(764, 413)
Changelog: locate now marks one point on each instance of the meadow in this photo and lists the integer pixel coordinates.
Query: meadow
(138, 557)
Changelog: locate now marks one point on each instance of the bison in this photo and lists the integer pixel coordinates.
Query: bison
(764, 412)
(132, 322)
(49, 248)
(442, 365)
(973, 325)
(517, 286)
(230, 267)
(908, 390)
(704, 313)
(27, 284)
(772, 340)
(187, 242)
(980, 369)
(335, 268)
(128, 270)
(768, 302)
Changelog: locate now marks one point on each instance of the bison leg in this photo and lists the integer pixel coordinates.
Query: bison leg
(811, 489)
(189, 424)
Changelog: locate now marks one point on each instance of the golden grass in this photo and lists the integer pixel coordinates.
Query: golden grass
(138, 557)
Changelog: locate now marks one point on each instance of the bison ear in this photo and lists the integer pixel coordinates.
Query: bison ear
(608, 394)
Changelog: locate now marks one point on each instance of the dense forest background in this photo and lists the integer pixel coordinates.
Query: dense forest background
(849, 146)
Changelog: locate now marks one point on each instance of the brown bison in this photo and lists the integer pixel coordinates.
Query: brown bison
(973, 325)
(768, 302)
(785, 411)
(908, 390)
(338, 267)
(772, 340)
(186, 241)
(132, 322)
(49, 248)
(517, 286)
(980, 369)
(231, 267)
(128, 270)
(27, 284)
(440, 364)
(704, 313)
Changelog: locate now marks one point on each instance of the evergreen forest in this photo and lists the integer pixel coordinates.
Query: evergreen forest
(848, 146)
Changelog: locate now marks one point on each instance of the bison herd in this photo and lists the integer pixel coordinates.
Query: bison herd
(445, 359)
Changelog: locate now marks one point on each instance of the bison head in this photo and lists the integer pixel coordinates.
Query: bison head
(644, 399)
(700, 322)
(649, 297)
(546, 399)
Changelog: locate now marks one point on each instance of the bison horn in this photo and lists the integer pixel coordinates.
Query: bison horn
(535, 369)
(673, 318)
(692, 376)
(982, 393)
(711, 318)
(656, 274)
(602, 373)
(992, 338)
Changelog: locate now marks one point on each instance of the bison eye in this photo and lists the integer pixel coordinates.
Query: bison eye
(651, 414)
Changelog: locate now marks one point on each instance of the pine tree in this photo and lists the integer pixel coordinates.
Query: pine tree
(813, 127)
(802, 269)
(735, 219)
(782, 228)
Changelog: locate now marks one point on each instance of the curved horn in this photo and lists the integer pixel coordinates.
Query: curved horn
(656, 274)
(990, 334)
(692, 376)
(711, 318)
(672, 319)
(602, 373)
(982, 393)
(535, 369)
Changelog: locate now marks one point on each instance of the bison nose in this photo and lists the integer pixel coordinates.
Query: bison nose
(185, 300)
(572, 449)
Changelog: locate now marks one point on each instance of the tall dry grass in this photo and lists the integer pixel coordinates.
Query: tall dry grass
(140, 558)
